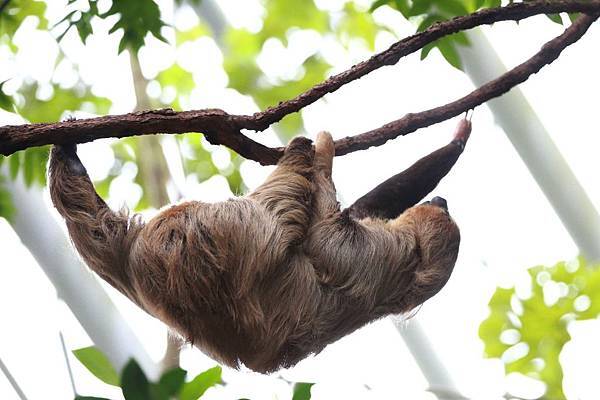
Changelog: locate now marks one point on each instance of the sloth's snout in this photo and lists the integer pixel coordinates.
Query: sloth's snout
(440, 202)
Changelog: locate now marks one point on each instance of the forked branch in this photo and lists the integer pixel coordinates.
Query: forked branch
(220, 127)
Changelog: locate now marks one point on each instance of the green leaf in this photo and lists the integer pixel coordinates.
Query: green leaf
(195, 389)
(280, 18)
(420, 7)
(448, 49)
(403, 7)
(555, 18)
(97, 363)
(302, 391)
(14, 163)
(427, 49)
(7, 209)
(134, 384)
(378, 3)
(452, 8)
(541, 327)
(493, 3)
(355, 23)
(136, 19)
(16, 12)
(428, 21)
(6, 102)
(172, 381)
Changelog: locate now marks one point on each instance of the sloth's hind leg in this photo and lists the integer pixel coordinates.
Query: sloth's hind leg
(287, 192)
(402, 191)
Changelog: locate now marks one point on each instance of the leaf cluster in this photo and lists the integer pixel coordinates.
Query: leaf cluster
(172, 384)
(428, 12)
(528, 331)
(135, 18)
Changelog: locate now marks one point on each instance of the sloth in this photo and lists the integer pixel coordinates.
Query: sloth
(267, 279)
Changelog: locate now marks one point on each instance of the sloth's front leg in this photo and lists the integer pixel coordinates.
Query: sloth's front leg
(287, 192)
(101, 236)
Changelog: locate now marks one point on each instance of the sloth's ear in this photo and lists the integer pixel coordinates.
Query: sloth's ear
(402, 191)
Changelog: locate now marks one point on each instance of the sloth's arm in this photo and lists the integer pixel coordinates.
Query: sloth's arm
(287, 192)
(404, 190)
(101, 236)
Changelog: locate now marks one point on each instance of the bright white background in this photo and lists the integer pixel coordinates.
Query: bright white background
(506, 223)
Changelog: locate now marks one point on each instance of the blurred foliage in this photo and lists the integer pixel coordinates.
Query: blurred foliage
(172, 384)
(135, 19)
(528, 332)
(6, 207)
(242, 48)
(13, 15)
(350, 24)
(427, 12)
(97, 363)
(6, 101)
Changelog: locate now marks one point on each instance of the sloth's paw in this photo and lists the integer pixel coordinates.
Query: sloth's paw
(67, 153)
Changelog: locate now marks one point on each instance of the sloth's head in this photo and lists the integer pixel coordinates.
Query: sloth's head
(439, 240)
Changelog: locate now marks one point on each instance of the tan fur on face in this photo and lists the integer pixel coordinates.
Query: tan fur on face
(267, 279)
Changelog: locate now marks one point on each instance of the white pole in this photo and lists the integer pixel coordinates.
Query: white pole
(12, 381)
(74, 283)
(432, 367)
(535, 147)
(428, 360)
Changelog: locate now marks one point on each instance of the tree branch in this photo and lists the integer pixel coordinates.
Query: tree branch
(222, 128)
(513, 12)
(411, 122)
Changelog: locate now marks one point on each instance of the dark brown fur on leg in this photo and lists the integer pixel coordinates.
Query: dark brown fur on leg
(102, 237)
(404, 190)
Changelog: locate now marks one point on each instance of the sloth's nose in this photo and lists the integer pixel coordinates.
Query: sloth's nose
(440, 202)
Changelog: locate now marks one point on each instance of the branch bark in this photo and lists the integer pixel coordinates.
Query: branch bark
(411, 122)
(220, 127)
(409, 45)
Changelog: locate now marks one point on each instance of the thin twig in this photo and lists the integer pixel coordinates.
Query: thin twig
(67, 362)
(12, 381)
(220, 127)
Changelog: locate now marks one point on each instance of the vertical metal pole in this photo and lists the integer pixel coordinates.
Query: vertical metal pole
(532, 142)
(12, 381)
(74, 284)
(428, 360)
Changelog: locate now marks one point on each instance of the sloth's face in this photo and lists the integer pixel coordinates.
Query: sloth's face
(438, 244)
(437, 228)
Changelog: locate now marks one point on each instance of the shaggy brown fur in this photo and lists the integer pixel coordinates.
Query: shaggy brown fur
(267, 279)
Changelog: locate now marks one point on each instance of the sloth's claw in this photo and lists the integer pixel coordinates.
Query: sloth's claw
(68, 153)
(440, 202)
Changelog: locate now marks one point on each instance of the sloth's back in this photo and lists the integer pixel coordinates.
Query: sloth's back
(223, 276)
